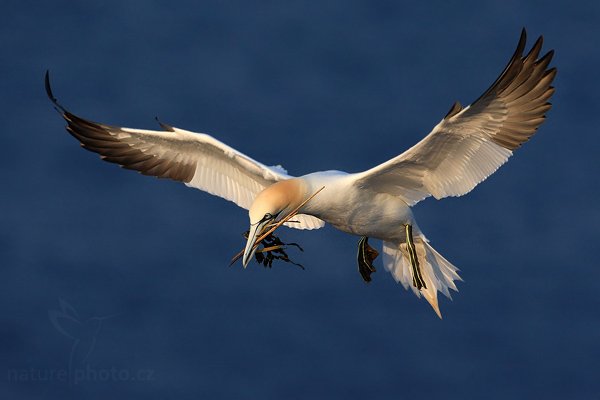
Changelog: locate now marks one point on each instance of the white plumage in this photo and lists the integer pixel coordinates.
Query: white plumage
(467, 146)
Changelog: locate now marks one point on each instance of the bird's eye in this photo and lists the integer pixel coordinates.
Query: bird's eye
(267, 216)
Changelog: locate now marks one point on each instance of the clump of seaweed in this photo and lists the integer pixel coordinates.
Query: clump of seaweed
(272, 247)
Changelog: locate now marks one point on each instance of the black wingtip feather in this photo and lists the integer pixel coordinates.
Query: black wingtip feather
(523, 36)
(546, 58)
(47, 85)
(455, 109)
(522, 42)
(166, 127)
(535, 49)
(60, 109)
(513, 67)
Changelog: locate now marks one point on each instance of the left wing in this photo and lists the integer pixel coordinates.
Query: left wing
(469, 144)
(196, 159)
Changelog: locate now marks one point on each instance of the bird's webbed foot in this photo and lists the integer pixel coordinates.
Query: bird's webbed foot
(418, 281)
(365, 257)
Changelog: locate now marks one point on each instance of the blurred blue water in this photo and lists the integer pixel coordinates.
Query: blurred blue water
(348, 85)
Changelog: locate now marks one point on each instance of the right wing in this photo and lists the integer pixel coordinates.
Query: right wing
(470, 143)
(196, 159)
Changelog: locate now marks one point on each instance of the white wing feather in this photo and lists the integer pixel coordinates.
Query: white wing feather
(223, 171)
(469, 144)
(196, 159)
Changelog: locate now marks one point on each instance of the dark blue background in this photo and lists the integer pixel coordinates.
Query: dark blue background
(312, 85)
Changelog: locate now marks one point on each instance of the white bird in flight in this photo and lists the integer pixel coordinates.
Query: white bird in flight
(466, 147)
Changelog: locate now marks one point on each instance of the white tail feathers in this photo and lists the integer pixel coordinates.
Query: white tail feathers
(438, 273)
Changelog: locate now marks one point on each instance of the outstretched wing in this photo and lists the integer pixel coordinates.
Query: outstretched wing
(196, 159)
(470, 143)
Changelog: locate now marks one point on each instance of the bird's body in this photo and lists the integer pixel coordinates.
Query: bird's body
(467, 146)
(356, 210)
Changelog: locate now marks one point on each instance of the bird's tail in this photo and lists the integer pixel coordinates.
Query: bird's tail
(438, 274)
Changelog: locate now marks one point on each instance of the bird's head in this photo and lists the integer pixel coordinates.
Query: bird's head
(272, 204)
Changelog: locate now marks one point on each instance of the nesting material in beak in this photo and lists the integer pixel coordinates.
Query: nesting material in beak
(261, 231)
(273, 249)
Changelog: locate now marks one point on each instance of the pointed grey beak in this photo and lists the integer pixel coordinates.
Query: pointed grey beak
(254, 233)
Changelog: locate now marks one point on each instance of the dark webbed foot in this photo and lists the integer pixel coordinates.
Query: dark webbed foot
(365, 257)
(418, 281)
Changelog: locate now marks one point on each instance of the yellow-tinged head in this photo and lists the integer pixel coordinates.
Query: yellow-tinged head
(275, 199)
(273, 203)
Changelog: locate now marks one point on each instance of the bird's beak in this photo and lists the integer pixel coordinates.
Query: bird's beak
(253, 234)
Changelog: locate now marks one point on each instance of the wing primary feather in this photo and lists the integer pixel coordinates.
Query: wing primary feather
(470, 143)
(509, 71)
(535, 49)
(196, 159)
(165, 127)
(60, 109)
(455, 109)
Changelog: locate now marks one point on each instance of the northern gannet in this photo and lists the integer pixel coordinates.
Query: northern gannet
(466, 147)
